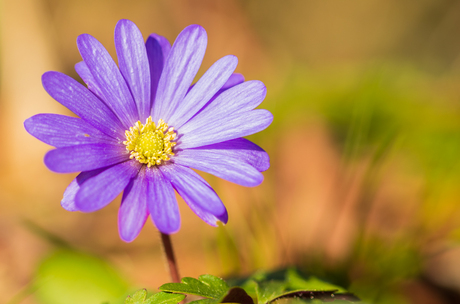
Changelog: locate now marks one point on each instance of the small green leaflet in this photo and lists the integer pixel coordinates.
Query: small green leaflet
(214, 289)
(206, 286)
(296, 282)
(291, 285)
(268, 291)
(165, 298)
(139, 297)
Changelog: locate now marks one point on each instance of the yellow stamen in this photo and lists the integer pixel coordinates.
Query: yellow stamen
(150, 144)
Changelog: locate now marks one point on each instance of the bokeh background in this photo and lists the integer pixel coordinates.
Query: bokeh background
(364, 184)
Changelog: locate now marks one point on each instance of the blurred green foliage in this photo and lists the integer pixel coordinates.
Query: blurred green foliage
(69, 277)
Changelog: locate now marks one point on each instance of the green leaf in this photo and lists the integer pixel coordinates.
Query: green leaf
(139, 297)
(219, 286)
(296, 282)
(206, 286)
(322, 295)
(71, 277)
(165, 298)
(270, 288)
(203, 301)
(214, 289)
(267, 291)
(233, 295)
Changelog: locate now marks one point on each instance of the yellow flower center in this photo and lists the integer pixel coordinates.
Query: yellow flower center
(150, 144)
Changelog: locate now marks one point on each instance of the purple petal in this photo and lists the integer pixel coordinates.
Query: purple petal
(179, 70)
(82, 102)
(68, 201)
(134, 64)
(133, 210)
(192, 188)
(238, 99)
(101, 189)
(85, 157)
(82, 70)
(63, 131)
(235, 79)
(242, 149)
(162, 203)
(225, 128)
(230, 169)
(158, 48)
(207, 216)
(231, 160)
(115, 91)
(208, 85)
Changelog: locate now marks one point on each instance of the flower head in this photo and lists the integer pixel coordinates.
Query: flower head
(142, 126)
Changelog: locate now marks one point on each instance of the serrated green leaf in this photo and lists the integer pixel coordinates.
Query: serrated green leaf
(137, 298)
(214, 289)
(233, 295)
(267, 291)
(219, 286)
(322, 295)
(288, 285)
(296, 282)
(165, 298)
(206, 286)
(204, 301)
(318, 296)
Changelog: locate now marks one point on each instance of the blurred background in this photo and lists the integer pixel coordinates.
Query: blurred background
(364, 184)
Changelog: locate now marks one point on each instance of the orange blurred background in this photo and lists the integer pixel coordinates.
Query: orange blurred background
(364, 184)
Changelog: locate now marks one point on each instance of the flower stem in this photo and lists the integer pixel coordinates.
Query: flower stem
(167, 245)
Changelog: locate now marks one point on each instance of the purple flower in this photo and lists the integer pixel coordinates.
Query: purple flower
(143, 126)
